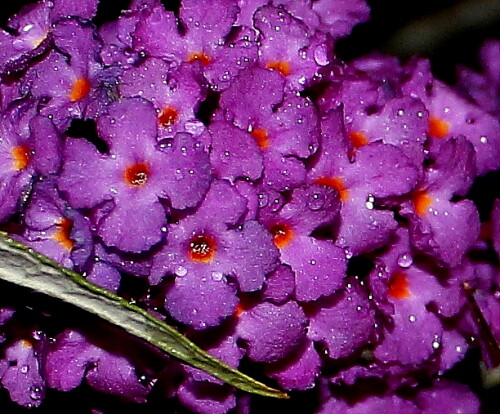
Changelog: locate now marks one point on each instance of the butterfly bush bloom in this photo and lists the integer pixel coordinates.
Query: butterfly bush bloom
(134, 175)
(206, 249)
(311, 221)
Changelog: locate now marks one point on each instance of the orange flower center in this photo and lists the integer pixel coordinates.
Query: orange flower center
(21, 157)
(281, 66)
(421, 202)
(398, 286)
(26, 343)
(202, 57)
(168, 116)
(261, 137)
(202, 249)
(437, 128)
(136, 175)
(337, 183)
(282, 235)
(62, 236)
(358, 139)
(80, 89)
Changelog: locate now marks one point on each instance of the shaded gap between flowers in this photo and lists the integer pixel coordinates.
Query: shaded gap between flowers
(87, 129)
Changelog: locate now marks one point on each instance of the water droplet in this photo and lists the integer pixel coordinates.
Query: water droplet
(420, 114)
(435, 344)
(24, 369)
(312, 261)
(405, 260)
(458, 348)
(359, 308)
(163, 229)
(38, 335)
(483, 140)
(348, 253)
(412, 318)
(36, 393)
(181, 271)
(316, 201)
(370, 202)
(217, 276)
(263, 200)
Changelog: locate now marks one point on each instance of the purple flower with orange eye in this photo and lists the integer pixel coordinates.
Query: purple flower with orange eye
(211, 256)
(29, 146)
(319, 265)
(135, 175)
(284, 126)
(441, 226)
(286, 45)
(33, 26)
(55, 229)
(68, 87)
(379, 171)
(451, 115)
(175, 92)
(207, 38)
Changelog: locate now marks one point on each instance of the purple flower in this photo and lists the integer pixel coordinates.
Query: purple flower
(484, 87)
(21, 373)
(29, 146)
(205, 38)
(451, 115)
(56, 230)
(175, 92)
(209, 250)
(68, 86)
(439, 226)
(378, 171)
(284, 126)
(73, 358)
(289, 48)
(319, 266)
(135, 175)
(33, 27)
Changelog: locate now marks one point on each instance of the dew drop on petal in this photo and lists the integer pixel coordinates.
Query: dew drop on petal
(405, 260)
(412, 318)
(35, 393)
(217, 276)
(181, 271)
(263, 200)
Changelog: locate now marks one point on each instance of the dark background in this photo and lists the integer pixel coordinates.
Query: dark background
(455, 30)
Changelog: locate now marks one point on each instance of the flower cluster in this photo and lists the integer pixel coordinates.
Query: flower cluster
(303, 217)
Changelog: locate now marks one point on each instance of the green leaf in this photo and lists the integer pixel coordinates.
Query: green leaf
(490, 377)
(21, 265)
